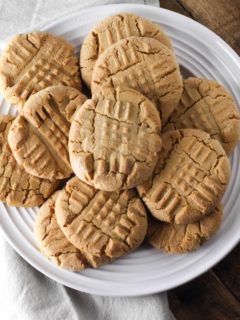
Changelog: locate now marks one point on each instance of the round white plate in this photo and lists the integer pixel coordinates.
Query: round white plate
(146, 270)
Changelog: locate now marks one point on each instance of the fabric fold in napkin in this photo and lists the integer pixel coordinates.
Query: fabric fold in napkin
(25, 293)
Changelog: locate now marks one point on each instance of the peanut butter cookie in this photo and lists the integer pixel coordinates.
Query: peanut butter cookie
(143, 64)
(114, 139)
(52, 241)
(17, 187)
(190, 177)
(186, 237)
(38, 137)
(207, 106)
(53, 244)
(104, 224)
(34, 61)
(111, 30)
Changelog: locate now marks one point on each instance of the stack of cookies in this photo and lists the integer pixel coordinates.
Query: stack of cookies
(146, 156)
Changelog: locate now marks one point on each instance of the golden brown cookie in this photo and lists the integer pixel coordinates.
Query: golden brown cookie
(53, 244)
(34, 61)
(111, 30)
(190, 177)
(17, 187)
(39, 136)
(184, 238)
(143, 64)
(104, 224)
(208, 106)
(114, 139)
(52, 241)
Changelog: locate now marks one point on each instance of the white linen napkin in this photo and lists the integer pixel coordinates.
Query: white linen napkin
(25, 293)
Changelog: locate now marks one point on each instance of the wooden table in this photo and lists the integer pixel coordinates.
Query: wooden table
(216, 294)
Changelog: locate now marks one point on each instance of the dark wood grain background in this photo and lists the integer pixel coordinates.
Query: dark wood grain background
(216, 294)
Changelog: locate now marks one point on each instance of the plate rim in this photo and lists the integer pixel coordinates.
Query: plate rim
(143, 290)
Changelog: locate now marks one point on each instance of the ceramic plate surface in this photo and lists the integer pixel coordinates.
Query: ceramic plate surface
(144, 271)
